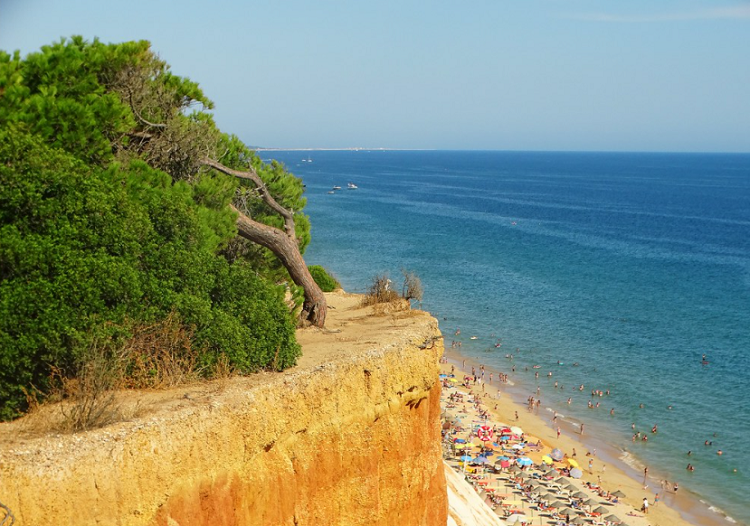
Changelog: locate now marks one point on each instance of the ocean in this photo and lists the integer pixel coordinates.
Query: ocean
(616, 271)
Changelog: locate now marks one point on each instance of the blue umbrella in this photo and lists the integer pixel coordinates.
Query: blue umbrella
(524, 461)
(503, 458)
(556, 454)
(465, 458)
(459, 441)
(481, 460)
(443, 376)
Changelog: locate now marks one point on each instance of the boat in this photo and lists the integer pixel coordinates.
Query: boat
(351, 186)
(337, 188)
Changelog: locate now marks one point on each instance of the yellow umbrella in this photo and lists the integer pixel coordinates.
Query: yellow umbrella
(547, 459)
(573, 463)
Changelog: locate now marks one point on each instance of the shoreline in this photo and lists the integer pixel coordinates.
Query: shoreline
(684, 508)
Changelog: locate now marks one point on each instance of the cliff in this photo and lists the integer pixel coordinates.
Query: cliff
(350, 436)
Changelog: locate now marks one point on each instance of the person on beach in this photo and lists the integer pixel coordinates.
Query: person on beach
(644, 508)
(558, 432)
(581, 428)
(656, 499)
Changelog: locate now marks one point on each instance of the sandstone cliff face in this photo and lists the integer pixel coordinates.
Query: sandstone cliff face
(348, 437)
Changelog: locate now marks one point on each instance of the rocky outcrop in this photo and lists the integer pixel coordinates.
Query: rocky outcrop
(348, 437)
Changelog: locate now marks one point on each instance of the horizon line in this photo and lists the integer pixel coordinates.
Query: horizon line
(376, 149)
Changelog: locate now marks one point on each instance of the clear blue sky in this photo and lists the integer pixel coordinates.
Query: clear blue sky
(644, 75)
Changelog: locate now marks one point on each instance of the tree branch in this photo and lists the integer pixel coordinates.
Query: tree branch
(251, 175)
(140, 117)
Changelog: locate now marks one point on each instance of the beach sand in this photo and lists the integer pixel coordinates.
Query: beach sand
(503, 411)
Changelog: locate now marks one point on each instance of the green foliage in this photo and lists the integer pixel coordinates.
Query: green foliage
(86, 252)
(108, 223)
(323, 278)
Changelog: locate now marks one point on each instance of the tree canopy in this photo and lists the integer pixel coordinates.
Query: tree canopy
(122, 204)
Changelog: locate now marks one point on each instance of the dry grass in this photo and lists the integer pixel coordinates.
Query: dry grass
(156, 356)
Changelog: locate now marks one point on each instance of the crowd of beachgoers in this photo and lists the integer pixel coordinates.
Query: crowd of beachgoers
(522, 478)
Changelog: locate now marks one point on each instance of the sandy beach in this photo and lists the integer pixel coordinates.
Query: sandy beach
(503, 411)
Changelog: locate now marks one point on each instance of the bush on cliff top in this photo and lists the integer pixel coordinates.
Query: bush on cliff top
(87, 253)
(323, 278)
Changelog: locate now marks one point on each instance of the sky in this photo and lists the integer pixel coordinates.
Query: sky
(561, 75)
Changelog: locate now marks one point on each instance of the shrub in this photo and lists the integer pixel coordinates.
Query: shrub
(380, 291)
(89, 254)
(412, 288)
(323, 278)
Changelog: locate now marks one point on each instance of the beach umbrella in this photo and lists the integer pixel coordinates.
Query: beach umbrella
(465, 458)
(505, 431)
(516, 518)
(577, 520)
(591, 502)
(515, 430)
(459, 440)
(619, 494)
(571, 487)
(515, 467)
(442, 376)
(556, 454)
(524, 461)
(612, 518)
(557, 504)
(561, 480)
(503, 457)
(481, 460)
(517, 446)
(580, 495)
(600, 509)
(573, 463)
(576, 473)
(551, 473)
(547, 459)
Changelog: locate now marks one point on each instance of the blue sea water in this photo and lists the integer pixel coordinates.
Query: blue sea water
(632, 265)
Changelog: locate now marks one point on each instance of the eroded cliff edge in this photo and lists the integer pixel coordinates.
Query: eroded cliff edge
(348, 437)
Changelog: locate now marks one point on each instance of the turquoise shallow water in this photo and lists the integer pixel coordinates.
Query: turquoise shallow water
(631, 265)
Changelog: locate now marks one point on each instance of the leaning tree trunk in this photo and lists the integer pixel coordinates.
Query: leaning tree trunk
(283, 243)
(285, 248)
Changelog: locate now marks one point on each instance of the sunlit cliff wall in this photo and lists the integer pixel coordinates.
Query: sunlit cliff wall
(352, 439)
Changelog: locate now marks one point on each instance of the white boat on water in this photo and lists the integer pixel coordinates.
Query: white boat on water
(336, 188)
(351, 186)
